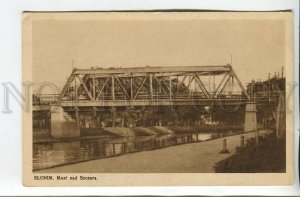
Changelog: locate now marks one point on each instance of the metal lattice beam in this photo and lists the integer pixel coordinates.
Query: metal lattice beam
(159, 84)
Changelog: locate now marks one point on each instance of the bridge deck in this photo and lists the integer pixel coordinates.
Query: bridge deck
(120, 103)
(126, 103)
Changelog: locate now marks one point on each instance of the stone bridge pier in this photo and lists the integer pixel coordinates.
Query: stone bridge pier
(250, 117)
(62, 124)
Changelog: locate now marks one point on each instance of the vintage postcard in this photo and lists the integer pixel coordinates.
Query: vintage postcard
(158, 98)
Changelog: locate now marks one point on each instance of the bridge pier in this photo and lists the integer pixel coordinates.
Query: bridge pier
(250, 117)
(62, 124)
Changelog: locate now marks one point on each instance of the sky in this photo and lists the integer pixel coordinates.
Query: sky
(257, 46)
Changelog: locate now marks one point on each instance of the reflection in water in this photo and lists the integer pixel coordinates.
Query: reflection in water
(46, 155)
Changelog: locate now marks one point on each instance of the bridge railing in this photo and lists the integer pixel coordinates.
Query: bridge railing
(145, 96)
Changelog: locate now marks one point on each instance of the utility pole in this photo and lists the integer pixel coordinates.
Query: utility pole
(269, 87)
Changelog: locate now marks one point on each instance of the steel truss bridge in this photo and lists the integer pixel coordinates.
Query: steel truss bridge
(151, 86)
(87, 90)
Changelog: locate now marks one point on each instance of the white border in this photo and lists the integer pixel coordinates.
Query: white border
(10, 69)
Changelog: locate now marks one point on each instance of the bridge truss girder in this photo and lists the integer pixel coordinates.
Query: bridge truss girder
(151, 83)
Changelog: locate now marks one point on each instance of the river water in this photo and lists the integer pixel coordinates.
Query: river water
(51, 154)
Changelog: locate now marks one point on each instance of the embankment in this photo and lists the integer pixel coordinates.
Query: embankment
(267, 156)
(158, 130)
(44, 135)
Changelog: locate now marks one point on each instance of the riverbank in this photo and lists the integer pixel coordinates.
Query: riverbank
(43, 135)
(198, 157)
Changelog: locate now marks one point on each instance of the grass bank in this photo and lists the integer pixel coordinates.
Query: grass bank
(267, 156)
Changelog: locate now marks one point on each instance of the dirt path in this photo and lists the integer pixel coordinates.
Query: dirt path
(187, 158)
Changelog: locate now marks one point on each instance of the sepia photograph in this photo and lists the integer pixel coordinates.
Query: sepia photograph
(144, 98)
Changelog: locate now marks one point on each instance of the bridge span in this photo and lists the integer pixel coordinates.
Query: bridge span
(144, 86)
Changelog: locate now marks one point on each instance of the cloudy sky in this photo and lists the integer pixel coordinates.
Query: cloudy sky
(256, 45)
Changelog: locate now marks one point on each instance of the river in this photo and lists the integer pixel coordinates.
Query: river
(52, 154)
